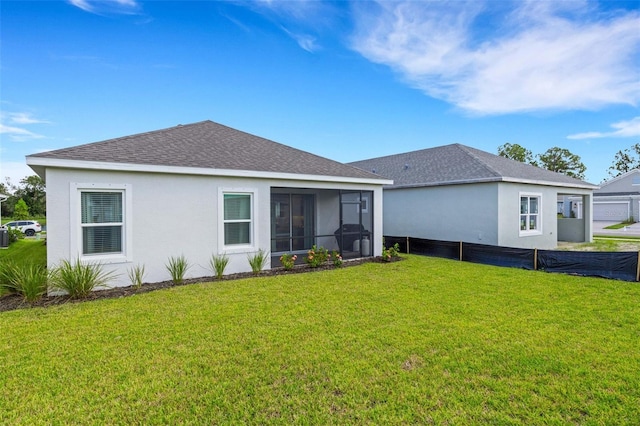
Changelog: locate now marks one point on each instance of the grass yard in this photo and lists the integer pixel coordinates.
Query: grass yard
(424, 340)
(619, 225)
(26, 250)
(603, 243)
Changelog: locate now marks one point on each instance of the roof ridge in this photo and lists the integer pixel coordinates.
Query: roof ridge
(619, 177)
(399, 154)
(468, 151)
(120, 138)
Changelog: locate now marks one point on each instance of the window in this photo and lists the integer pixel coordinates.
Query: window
(530, 220)
(101, 222)
(237, 219)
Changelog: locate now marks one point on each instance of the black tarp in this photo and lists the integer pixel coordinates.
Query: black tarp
(617, 265)
(446, 249)
(614, 265)
(498, 256)
(402, 243)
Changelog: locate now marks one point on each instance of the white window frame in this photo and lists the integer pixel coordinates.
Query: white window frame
(529, 195)
(76, 226)
(237, 248)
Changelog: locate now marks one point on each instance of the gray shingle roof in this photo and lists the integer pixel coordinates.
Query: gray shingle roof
(458, 164)
(207, 145)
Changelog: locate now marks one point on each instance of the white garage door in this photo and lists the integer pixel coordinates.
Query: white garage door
(611, 211)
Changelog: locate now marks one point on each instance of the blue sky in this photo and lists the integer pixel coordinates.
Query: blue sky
(345, 80)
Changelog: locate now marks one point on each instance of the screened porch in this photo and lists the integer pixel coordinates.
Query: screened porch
(340, 220)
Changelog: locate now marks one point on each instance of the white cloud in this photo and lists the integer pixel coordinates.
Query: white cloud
(107, 6)
(24, 118)
(498, 57)
(18, 134)
(16, 130)
(305, 41)
(622, 129)
(299, 19)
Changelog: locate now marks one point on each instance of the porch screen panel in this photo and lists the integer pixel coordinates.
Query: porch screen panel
(303, 221)
(280, 223)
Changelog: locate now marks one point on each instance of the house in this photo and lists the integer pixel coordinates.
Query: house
(618, 199)
(199, 190)
(458, 193)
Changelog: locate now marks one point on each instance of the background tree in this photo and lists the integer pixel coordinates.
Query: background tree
(625, 161)
(516, 152)
(21, 210)
(32, 190)
(561, 160)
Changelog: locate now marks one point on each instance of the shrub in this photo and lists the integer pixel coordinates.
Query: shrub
(14, 235)
(391, 252)
(78, 279)
(8, 276)
(317, 256)
(178, 267)
(258, 261)
(336, 259)
(219, 264)
(288, 261)
(30, 281)
(136, 275)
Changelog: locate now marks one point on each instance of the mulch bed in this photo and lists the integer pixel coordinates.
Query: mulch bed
(13, 301)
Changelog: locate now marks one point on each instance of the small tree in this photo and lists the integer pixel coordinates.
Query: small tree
(516, 152)
(625, 161)
(21, 210)
(561, 160)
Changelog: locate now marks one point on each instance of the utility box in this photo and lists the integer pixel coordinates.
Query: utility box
(4, 238)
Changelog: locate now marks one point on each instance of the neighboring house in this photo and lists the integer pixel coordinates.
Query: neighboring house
(199, 190)
(458, 193)
(618, 199)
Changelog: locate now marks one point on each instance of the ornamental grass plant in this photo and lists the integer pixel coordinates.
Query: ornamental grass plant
(177, 268)
(258, 261)
(218, 263)
(78, 279)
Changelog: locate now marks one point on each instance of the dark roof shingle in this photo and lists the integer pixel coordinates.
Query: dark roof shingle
(456, 163)
(207, 145)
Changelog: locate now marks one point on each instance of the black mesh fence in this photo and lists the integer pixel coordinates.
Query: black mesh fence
(498, 256)
(616, 265)
(446, 249)
(401, 241)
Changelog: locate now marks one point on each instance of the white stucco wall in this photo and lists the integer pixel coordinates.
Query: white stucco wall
(509, 216)
(482, 213)
(171, 215)
(448, 213)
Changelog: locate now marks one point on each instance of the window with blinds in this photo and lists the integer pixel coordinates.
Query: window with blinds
(102, 222)
(237, 219)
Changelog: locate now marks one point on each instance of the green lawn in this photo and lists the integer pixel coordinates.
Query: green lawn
(421, 341)
(25, 250)
(619, 225)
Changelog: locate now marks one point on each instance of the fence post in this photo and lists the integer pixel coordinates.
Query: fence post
(407, 245)
(460, 251)
(535, 259)
(638, 268)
